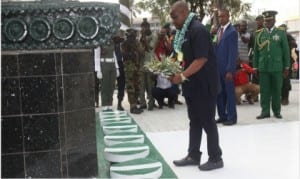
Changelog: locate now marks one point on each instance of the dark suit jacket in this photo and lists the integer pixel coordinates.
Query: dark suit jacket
(227, 51)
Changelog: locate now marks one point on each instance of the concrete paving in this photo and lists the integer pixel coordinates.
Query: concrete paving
(252, 148)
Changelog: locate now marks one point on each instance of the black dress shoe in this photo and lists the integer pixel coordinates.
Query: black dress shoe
(229, 123)
(150, 106)
(143, 106)
(210, 165)
(171, 105)
(278, 116)
(220, 120)
(262, 116)
(186, 161)
(120, 107)
(136, 110)
(178, 102)
(107, 110)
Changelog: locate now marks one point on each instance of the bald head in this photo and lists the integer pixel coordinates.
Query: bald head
(180, 5)
(179, 12)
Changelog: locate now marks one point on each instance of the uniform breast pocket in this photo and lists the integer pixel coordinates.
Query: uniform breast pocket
(263, 39)
(262, 62)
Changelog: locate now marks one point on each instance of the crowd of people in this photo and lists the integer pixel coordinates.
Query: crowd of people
(237, 50)
(222, 67)
(125, 64)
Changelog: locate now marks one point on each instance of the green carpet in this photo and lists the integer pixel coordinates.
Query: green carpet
(103, 165)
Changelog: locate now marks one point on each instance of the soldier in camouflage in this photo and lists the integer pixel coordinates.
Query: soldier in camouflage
(148, 42)
(133, 54)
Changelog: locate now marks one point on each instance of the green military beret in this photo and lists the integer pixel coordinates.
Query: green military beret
(269, 14)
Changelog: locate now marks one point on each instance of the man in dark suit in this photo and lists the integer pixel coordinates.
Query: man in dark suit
(227, 54)
(200, 85)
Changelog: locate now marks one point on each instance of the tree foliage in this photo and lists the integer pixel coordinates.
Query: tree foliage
(134, 8)
(161, 8)
(158, 8)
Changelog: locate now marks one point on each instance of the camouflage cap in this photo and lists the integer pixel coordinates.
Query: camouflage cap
(259, 17)
(145, 23)
(269, 14)
(130, 31)
(117, 38)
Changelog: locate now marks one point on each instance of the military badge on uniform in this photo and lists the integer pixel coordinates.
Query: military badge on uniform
(276, 37)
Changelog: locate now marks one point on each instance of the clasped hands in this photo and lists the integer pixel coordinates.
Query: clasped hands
(178, 78)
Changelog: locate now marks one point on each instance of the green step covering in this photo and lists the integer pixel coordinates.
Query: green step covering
(138, 168)
(104, 165)
(112, 114)
(123, 120)
(125, 152)
(119, 127)
(114, 139)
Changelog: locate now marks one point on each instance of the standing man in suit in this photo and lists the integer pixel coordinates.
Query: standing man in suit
(272, 60)
(227, 54)
(199, 85)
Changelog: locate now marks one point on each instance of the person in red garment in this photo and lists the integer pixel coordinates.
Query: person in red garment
(242, 84)
(163, 45)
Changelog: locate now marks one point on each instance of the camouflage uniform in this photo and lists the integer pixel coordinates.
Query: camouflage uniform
(133, 54)
(147, 83)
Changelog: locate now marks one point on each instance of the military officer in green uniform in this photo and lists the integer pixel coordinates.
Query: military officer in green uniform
(107, 72)
(272, 60)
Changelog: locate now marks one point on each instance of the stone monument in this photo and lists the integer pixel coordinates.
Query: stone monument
(47, 80)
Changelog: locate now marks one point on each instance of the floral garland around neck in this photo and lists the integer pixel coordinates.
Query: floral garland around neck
(179, 37)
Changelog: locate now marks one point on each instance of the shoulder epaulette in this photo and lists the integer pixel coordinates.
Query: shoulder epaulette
(259, 30)
(280, 28)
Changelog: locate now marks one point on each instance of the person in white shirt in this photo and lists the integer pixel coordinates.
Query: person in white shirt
(163, 90)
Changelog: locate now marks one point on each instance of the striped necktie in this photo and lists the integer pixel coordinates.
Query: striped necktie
(220, 34)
